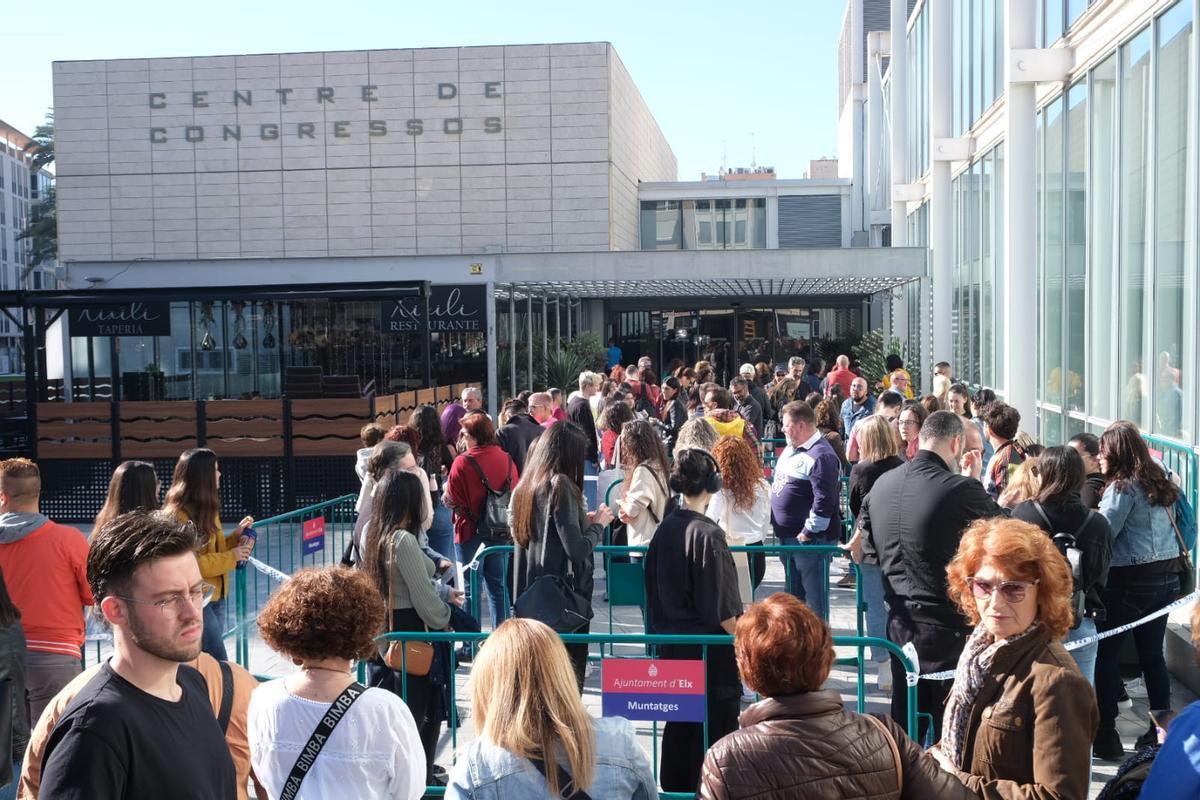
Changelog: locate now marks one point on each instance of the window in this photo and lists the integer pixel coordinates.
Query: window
(1075, 243)
(1135, 116)
(662, 226)
(1174, 212)
(1102, 211)
(1052, 261)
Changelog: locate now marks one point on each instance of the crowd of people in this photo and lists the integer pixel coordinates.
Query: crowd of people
(998, 562)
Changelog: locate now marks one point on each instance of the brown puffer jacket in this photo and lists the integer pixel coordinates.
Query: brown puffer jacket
(808, 746)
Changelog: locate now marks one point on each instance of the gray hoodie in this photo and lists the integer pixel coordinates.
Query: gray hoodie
(16, 525)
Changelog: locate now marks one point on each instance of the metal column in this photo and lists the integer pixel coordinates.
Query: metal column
(941, 207)
(1020, 218)
(512, 340)
(545, 332)
(899, 113)
(557, 327)
(529, 340)
(493, 380)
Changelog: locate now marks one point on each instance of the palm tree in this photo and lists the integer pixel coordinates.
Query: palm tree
(42, 230)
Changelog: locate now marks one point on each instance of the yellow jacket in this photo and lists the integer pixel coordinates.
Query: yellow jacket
(217, 558)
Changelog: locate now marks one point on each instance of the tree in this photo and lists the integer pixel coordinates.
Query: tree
(42, 230)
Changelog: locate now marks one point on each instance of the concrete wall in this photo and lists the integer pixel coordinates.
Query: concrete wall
(322, 171)
(640, 154)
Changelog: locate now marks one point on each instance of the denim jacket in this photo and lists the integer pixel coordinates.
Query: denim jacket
(484, 771)
(1142, 533)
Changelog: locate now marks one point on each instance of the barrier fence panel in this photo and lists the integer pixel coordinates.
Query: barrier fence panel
(649, 642)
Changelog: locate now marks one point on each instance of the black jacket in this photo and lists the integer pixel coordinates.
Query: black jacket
(516, 436)
(752, 412)
(579, 411)
(561, 540)
(760, 394)
(863, 476)
(674, 415)
(1093, 490)
(912, 522)
(1095, 540)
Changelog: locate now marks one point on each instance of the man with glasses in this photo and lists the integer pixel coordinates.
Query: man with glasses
(45, 567)
(912, 520)
(143, 726)
(888, 406)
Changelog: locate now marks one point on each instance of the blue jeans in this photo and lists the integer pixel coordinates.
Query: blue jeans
(212, 640)
(872, 595)
(807, 577)
(9, 791)
(441, 532)
(494, 570)
(1085, 657)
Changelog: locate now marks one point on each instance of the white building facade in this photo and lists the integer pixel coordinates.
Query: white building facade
(1045, 152)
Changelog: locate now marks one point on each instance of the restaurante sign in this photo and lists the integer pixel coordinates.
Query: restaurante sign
(452, 309)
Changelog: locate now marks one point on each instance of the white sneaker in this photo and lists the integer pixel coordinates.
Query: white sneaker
(885, 676)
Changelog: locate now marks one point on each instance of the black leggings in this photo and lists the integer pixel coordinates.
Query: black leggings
(758, 565)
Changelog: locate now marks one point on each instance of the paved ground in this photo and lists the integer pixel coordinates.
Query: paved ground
(628, 620)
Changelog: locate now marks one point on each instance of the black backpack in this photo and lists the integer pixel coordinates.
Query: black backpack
(493, 519)
(1068, 545)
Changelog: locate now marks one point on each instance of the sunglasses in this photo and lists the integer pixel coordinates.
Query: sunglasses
(1012, 591)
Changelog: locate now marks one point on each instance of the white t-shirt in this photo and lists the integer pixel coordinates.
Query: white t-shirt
(374, 752)
(752, 525)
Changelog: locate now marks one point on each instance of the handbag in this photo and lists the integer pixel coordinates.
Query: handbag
(741, 560)
(552, 600)
(1187, 570)
(414, 658)
(894, 747)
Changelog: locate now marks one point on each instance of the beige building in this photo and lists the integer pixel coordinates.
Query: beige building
(514, 149)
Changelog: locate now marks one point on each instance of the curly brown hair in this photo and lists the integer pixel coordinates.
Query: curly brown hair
(741, 471)
(323, 613)
(1025, 553)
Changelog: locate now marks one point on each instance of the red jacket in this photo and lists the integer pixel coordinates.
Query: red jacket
(843, 378)
(464, 491)
(46, 574)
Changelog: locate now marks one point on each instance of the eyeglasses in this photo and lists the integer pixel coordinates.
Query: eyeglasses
(909, 423)
(169, 607)
(1012, 591)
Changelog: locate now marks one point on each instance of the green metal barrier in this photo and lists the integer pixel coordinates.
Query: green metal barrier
(281, 545)
(1182, 460)
(650, 642)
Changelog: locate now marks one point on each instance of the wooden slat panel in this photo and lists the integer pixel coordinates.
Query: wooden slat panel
(74, 450)
(324, 447)
(49, 411)
(346, 428)
(406, 401)
(76, 430)
(246, 447)
(243, 409)
(426, 397)
(155, 449)
(233, 428)
(159, 429)
(330, 408)
(175, 409)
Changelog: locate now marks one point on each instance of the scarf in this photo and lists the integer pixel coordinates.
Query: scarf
(973, 667)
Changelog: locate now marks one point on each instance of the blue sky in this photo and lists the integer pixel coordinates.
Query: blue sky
(722, 78)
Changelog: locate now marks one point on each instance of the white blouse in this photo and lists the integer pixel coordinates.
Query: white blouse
(374, 752)
(751, 525)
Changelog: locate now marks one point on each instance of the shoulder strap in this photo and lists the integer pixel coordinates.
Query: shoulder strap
(226, 696)
(565, 782)
(479, 471)
(319, 737)
(1086, 520)
(891, 740)
(1049, 525)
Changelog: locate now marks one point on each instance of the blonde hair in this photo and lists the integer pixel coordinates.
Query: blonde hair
(1024, 484)
(524, 699)
(696, 434)
(877, 438)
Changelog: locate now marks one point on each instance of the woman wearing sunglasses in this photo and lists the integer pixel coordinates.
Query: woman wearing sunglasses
(1016, 686)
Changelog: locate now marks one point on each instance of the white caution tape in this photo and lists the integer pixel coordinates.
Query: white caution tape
(268, 570)
(912, 677)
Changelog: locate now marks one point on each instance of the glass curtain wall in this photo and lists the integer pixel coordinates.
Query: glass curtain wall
(918, 96)
(978, 74)
(979, 226)
(734, 224)
(1116, 211)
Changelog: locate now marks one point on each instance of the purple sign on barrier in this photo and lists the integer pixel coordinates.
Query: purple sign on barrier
(653, 689)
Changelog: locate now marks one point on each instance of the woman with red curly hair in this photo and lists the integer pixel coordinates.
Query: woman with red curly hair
(801, 742)
(742, 508)
(323, 620)
(1021, 717)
